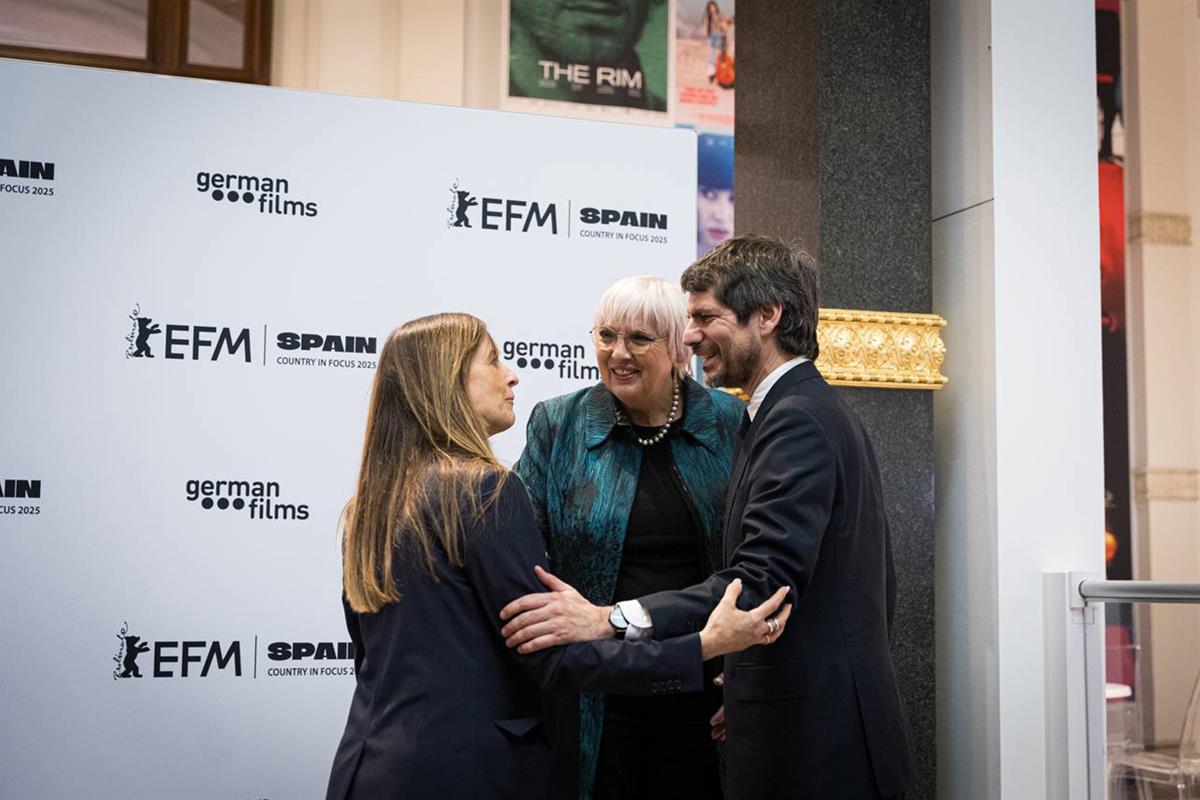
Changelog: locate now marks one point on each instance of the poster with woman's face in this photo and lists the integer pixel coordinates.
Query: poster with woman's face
(705, 64)
(714, 191)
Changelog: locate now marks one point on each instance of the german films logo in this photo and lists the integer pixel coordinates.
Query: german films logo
(564, 360)
(258, 500)
(20, 497)
(269, 195)
(23, 176)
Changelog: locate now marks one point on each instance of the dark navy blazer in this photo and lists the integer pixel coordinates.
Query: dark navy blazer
(442, 709)
(817, 714)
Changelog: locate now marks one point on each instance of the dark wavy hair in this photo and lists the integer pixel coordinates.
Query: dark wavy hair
(749, 272)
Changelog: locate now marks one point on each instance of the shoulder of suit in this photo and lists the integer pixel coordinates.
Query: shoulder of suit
(503, 490)
(799, 406)
(513, 488)
(487, 487)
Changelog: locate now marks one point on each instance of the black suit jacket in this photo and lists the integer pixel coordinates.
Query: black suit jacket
(442, 709)
(818, 713)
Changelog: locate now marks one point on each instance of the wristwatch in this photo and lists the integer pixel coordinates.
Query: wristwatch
(617, 619)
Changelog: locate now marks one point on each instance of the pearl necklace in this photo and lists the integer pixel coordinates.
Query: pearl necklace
(658, 437)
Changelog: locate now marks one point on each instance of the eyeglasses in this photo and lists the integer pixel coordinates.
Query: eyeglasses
(636, 342)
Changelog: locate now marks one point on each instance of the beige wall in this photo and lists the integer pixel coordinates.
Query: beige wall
(430, 51)
(1161, 55)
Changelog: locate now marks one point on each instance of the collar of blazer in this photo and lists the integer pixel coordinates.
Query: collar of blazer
(699, 415)
(786, 384)
(804, 371)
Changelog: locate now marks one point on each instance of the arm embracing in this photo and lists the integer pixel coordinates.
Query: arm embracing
(791, 478)
(500, 556)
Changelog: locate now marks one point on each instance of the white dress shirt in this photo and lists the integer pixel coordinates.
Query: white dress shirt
(760, 393)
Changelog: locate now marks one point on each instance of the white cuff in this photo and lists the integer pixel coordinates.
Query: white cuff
(640, 624)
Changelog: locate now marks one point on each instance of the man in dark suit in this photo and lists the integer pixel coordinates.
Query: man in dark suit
(818, 714)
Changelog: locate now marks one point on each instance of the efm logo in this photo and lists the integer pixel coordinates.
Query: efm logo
(201, 658)
(500, 213)
(191, 342)
(146, 337)
(173, 658)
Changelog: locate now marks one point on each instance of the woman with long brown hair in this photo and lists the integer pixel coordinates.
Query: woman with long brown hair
(437, 539)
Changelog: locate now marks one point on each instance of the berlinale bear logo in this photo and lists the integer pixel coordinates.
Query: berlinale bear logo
(139, 335)
(126, 657)
(458, 207)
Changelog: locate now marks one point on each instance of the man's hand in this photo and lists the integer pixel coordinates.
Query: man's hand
(547, 619)
(718, 725)
(718, 719)
(729, 630)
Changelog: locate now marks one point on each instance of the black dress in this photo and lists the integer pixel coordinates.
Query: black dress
(659, 747)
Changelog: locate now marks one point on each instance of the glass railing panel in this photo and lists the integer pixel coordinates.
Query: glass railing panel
(1152, 700)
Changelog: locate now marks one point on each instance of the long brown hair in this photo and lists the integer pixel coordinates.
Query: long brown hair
(424, 452)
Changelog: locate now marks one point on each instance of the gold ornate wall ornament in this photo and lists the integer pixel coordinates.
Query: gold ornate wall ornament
(1178, 485)
(1155, 227)
(881, 349)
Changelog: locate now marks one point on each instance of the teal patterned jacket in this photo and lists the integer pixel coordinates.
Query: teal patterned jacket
(581, 471)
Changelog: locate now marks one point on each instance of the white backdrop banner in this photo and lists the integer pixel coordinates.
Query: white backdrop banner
(197, 278)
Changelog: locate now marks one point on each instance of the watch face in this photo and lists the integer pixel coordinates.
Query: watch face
(617, 620)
